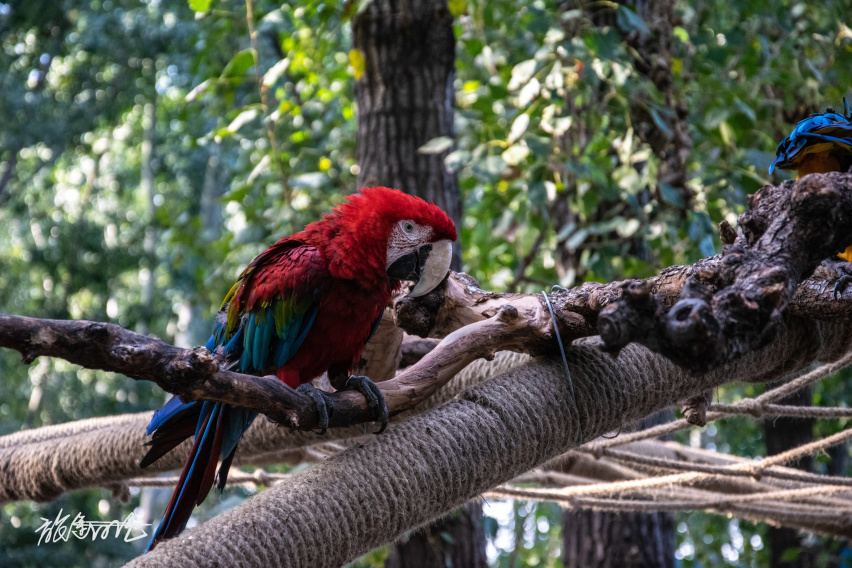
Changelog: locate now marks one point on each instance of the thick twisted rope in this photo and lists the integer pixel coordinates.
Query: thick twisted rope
(418, 470)
(44, 463)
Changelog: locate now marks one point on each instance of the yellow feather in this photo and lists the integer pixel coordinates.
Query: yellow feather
(818, 164)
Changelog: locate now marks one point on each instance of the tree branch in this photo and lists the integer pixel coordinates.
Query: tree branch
(734, 306)
(721, 308)
(419, 469)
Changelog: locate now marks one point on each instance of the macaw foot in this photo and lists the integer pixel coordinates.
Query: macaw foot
(371, 392)
(844, 271)
(324, 403)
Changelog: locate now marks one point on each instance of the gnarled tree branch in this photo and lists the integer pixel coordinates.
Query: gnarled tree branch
(700, 316)
(734, 306)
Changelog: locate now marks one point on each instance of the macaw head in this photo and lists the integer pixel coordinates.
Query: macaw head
(819, 143)
(382, 233)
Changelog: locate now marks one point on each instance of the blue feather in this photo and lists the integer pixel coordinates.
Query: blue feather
(208, 431)
(205, 410)
(169, 410)
(235, 343)
(248, 341)
(807, 131)
(239, 421)
(268, 330)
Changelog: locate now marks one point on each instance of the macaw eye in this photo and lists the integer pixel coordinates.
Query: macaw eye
(407, 226)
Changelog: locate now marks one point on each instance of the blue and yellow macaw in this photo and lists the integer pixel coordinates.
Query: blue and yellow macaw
(818, 144)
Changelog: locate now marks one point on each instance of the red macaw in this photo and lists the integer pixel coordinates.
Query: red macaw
(306, 305)
(820, 143)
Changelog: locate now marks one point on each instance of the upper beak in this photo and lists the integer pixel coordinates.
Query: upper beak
(427, 266)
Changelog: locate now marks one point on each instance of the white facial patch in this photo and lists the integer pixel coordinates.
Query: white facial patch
(406, 237)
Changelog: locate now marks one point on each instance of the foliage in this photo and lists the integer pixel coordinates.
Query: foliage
(141, 168)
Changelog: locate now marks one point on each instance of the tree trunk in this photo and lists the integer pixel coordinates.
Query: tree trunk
(786, 548)
(454, 541)
(611, 540)
(595, 539)
(405, 99)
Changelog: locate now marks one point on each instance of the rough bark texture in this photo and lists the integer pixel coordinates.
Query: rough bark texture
(735, 307)
(599, 539)
(456, 541)
(595, 539)
(783, 434)
(405, 99)
(419, 470)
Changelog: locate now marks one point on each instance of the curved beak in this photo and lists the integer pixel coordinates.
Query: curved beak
(427, 266)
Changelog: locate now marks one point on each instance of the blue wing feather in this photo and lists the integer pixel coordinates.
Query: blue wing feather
(813, 129)
(254, 342)
(171, 409)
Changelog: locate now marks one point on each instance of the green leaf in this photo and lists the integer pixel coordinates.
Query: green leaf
(670, 195)
(311, 180)
(456, 160)
(489, 167)
(515, 154)
(629, 21)
(727, 133)
(628, 228)
(519, 126)
(275, 72)
(239, 64)
(358, 63)
(241, 119)
(457, 7)
(565, 231)
(436, 145)
(706, 246)
(200, 5)
(522, 73)
(660, 123)
(745, 109)
(576, 239)
(198, 90)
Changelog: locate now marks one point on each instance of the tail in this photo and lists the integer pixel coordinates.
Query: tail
(218, 428)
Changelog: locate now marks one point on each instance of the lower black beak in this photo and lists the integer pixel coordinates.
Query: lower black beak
(410, 266)
(427, 266)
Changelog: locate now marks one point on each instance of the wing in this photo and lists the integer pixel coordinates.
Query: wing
(818, 133)
(269, 311)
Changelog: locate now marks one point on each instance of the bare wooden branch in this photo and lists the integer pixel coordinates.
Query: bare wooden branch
(700, 316)
(735, 306)
(194, 374)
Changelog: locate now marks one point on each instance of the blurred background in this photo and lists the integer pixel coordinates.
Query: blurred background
(150, 149)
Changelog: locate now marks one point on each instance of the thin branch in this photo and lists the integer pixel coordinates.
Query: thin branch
(195, 374)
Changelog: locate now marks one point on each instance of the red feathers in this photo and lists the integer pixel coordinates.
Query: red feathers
(339, 266)
(354, 236)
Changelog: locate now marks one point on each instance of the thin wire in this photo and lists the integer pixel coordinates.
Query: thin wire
(565, 362)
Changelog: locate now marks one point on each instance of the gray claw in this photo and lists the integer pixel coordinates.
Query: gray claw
(374, 396)
(324, 403)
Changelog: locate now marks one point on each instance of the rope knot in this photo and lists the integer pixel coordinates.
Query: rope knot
(261, 477)
(753, 406)
(756, 470)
